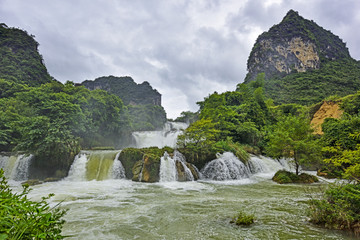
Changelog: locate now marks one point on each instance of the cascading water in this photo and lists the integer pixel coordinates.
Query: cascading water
(228, 167)
(169, 169)
(165, 137)
(96, 165)
(16, 167)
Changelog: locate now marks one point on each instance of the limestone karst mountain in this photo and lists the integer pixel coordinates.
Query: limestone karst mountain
(302, 62)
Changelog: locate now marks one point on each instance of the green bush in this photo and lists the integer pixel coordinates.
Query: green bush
(243, 219)
(283, 176)
(338, 208)
(21, 218)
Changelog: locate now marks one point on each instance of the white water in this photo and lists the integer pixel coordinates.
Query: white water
(168, 169)
(228, 167)
(81, 170)
(165, 137)
(16, 167)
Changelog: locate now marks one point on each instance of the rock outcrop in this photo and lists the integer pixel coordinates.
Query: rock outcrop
(294, 45)
(328, 109)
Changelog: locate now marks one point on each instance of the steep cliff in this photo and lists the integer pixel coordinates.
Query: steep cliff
(302, 62)
(20, 60)
(294, 45)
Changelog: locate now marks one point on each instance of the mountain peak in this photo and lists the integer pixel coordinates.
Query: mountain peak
(294, 45)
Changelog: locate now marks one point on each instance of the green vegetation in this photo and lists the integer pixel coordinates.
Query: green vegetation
(143, 102)
(54, 121)
(283, 177)
(340, 78)
(292, 138)
(146, 117)
(21, 218)
(338, 208)
(20, 60)
(243, 219)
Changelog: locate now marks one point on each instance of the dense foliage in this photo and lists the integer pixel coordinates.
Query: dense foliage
(143, 102)
(292, 138)
(338, 207)
(21, 218)
(333, 78)
(54, 121)
(20, 60)
(225, 121)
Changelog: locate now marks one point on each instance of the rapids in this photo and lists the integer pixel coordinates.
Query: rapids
(122, 209)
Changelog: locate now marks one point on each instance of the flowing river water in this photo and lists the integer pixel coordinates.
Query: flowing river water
(122, 209)
(102, 204)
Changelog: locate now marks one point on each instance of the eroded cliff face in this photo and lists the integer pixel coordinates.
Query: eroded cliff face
(294, 45)
(328, 109)
(273, 57)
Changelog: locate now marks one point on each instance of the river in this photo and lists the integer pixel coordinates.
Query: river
(122, 209)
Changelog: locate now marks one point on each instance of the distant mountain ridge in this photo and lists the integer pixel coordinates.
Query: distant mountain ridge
(143, 102)
(127, 89)
(302, 63)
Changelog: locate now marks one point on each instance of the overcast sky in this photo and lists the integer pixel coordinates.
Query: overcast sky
(184, 49)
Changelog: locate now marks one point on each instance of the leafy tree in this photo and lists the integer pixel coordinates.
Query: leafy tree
(291, 138)
(197, 141)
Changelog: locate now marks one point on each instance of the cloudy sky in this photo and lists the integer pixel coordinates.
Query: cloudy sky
(186, 49)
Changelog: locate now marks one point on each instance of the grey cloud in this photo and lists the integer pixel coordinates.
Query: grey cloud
(178, 46)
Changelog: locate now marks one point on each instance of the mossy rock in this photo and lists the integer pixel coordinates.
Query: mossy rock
(128, 157)
(136, 170)
(144, 161)
(284, 177)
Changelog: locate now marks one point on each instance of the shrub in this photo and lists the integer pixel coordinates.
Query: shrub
(337, 208)
(283, 176)
(243, 219)
(21, 218)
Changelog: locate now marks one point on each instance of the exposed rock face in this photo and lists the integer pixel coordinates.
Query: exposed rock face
(294, 45)
(328, 109)
(126, 88)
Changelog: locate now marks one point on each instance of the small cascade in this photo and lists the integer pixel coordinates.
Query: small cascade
(16, 167)
(168, 172)
(226, 167)
(117, 171)
(165, 137)
(96, 165)
(174, 168)
(78, 168)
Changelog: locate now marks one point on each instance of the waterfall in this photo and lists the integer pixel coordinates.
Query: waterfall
(168, 172)
(228, 167)
(16, 167)
(96, 165)
(117, 170)
(169, 169)
(165, 137)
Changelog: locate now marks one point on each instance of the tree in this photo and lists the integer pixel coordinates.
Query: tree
(292, 138)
